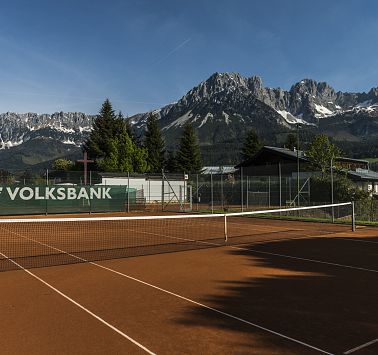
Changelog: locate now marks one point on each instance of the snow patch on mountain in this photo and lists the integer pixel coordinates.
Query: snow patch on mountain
(322, 111)
(10, 144)
(208, 115)
(291, 119)
(179, 122)
(69, 141)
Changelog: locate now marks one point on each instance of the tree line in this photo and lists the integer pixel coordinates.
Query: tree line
(114, 146)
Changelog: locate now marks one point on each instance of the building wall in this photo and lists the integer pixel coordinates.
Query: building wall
(152, 189)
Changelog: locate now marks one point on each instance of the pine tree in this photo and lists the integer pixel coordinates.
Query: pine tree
(171, 164)
(113, 144)
(104, 130)
(124, 123)
(188, 156)
(155, 145)
(291, 141)
(251, 145)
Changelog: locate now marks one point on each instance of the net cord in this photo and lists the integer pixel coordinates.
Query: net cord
(146, 217)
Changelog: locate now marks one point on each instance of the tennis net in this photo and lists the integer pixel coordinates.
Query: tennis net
(41, 242)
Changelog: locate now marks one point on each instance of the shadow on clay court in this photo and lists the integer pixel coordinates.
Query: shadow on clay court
(331, 307)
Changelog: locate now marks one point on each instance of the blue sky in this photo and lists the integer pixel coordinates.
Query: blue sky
(70, 55)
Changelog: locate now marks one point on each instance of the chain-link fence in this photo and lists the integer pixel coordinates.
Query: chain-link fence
(49, 191)
(230, 192)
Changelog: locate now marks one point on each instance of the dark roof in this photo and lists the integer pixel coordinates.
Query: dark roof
(282, 152)
(225, 169)
(361, 174)
(141, 176)
(351, 160)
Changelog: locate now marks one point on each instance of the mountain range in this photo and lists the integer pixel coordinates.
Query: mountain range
(222, 109)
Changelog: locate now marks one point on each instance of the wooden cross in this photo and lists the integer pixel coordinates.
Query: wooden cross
(85, 161)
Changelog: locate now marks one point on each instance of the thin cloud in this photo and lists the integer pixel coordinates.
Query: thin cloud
(174, 50)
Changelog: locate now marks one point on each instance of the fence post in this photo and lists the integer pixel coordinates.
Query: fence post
(269, 190)
(197, 193)
(309, 191)
(212, 192)
(222, 197)
(90, 200)
(128, 192)
(149, 190)
(333, 210)
(280, 182)
(190, 197)
(184, 195)
(241, 189)
(162, 189)
(353, 218)
(47, 184)
(247, 193)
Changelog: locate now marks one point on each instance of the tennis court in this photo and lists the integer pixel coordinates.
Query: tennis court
(268, 283)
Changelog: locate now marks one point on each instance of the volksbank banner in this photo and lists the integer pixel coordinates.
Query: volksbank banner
(63, 199)
(27, 193)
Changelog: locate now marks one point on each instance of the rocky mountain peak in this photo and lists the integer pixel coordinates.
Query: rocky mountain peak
(313, 88)
(373, 94)
(219, 82)
(66, 127)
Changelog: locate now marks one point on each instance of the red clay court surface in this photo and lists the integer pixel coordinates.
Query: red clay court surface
(282, 290)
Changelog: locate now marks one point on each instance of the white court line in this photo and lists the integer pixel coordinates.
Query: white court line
(167, 292)
(80, 306)
(361, 347)
(306, 259)
(257, 251)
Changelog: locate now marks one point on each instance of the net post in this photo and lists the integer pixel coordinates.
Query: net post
(225, 228)
(353, 218)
